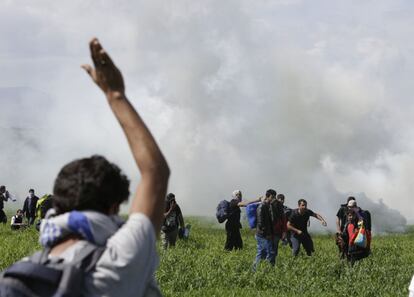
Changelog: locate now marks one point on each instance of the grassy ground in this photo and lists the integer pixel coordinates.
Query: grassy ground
(200, 267)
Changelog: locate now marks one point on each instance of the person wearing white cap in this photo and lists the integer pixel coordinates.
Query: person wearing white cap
(341, 214)
(233, 226)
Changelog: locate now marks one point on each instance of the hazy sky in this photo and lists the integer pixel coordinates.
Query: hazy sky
(311, 98)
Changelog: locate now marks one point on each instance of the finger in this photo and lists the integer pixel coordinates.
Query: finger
(104, 58)
(95, 47)
(89, 69)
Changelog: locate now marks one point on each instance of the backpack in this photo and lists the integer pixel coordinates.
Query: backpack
(43, 205)
(223, 211)
(366, 217)
(251, 212)
(38, 276)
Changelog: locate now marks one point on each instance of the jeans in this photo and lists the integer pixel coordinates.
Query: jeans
(303, 239)
(265, 250)
(30, 220)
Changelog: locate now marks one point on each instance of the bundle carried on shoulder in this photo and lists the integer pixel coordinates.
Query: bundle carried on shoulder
(251, 212)
(223, 211)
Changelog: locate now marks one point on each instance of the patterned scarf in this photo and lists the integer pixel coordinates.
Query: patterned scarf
(92, 226)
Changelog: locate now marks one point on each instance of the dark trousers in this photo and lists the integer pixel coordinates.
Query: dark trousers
(305, 240)
(31, 220)
(233, 240)
(3, 217)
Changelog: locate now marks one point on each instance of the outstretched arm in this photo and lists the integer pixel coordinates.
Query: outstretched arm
(320, 218)
(150, 193)
(245, 203)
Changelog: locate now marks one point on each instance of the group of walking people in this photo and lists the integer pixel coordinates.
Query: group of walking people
(105, 255)
(274, 222)
(33, 208)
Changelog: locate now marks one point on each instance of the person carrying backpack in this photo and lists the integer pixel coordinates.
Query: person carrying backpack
(42, 206)
(233, 225)
(173, 218)
(87, 249)
(357, 237)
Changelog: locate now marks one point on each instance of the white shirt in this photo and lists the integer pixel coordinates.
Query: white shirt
(411, 288)
(127, 266)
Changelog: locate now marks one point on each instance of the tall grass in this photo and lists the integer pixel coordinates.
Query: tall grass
(199, 266)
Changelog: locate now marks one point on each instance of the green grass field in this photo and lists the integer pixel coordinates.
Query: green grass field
(200, 266)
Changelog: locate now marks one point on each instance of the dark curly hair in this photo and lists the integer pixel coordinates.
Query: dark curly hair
(89, 184)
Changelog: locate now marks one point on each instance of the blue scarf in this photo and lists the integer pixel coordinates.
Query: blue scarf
(92, 226)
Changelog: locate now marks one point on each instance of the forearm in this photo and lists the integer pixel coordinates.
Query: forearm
(245, 203)
(291, 228)
(338, 224)
(320, 218)
(144, 148)
(181, 218)
(148, 157)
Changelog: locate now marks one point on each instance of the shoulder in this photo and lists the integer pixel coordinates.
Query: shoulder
(310, 212)
(294, 213)
(129, 253)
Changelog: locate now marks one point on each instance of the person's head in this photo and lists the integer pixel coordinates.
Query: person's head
(280, 198)
(2, 189)
(237, 194)
(19, 213)
(351, 204)
(170, 197)
(302, 205)
(350, 198)
(270, 195)
(350, 215)
(90, 184)
(31, 193)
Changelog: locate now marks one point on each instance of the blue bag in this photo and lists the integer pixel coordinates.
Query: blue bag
(251, 211)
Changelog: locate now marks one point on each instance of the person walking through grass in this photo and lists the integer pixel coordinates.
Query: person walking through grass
(264, 231)
(173, 219)
(233, 225)
(298, 225)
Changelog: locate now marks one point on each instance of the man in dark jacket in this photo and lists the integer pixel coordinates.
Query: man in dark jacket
(173, 218)
(233, 226)
(264, 231)
(29, 207)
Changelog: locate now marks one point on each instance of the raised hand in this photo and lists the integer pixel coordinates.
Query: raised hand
(105, 74)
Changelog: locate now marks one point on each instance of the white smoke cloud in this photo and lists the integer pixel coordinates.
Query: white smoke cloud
(306, 98)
